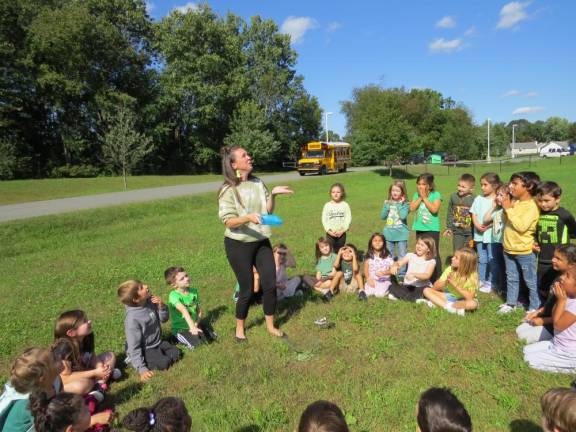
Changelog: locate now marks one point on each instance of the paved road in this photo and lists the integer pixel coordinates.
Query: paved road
(65, 205)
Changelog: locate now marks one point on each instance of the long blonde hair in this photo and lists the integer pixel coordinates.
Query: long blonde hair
(31, 369)
(468, 266)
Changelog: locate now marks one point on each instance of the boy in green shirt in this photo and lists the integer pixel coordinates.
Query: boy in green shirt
(185, 311)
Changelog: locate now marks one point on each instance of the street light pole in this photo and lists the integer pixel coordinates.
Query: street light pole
(488, 155)
(513, 138)
(326, 114)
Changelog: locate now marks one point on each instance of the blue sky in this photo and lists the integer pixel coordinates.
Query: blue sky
(503, 60)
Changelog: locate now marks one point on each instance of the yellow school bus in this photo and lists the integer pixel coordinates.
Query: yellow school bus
(324, 157)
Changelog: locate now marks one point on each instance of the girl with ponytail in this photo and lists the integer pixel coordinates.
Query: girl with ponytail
(169, 414)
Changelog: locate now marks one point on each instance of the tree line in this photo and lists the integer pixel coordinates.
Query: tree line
(388, 124)
(78, 76)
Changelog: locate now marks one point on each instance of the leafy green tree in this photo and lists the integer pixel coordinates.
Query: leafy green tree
(123, 147)
(248, 130)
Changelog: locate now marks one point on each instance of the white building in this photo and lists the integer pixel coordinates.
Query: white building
(523, 148)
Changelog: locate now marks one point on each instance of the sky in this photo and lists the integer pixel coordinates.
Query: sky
(502, 60)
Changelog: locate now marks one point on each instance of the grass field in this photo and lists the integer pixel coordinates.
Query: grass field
(376, 361)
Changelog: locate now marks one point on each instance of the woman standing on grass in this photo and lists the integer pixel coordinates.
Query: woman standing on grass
(242, 199)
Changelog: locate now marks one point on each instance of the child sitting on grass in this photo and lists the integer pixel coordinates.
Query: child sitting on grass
(421, 266)
(285, 287)
(348, 271)
(144, 313)
(322, 416)
(559, 410)
(537, 325)
(559, 354)
(185, 311)
(324, 281)
(456, 289)
(94, 371)
(439, 410)
(33, 370)
(377, 265)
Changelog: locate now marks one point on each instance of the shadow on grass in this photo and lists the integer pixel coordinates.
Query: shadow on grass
(397, 173)
(524, 426)
(249, 428)
(214, 315)
(126, 393)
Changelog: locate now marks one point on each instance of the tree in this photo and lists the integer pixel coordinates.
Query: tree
(248, 130)
(122, 146)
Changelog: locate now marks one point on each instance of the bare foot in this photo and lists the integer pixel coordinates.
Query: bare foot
(276, 332)
(101, 418)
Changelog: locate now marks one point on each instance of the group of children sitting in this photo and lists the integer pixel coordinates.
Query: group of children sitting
(60, 388)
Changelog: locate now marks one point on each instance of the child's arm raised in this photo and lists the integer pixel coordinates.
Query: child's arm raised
(162, 309)
(520, 219)
(338, 259)
(355, 268)
(561, 318)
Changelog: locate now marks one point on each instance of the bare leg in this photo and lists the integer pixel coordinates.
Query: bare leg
(80, 386)
(240, 334)
(466, 304)
(274, 331)
(436, 297)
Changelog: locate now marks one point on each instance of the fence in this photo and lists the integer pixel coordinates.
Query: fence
(524, 163)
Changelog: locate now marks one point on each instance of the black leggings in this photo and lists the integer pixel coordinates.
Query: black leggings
(336, 242)
(436, 236)
(242, 256)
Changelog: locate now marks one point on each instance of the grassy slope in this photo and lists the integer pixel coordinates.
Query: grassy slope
(374, 364)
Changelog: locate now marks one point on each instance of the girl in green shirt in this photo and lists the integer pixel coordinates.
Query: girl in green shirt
(426, 203)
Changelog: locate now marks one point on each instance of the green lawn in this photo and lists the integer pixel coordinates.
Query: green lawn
(376, 361)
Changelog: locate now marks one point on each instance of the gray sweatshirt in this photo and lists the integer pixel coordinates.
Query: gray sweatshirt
(143, 331)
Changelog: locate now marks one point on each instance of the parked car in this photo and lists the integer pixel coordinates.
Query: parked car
(555, 152)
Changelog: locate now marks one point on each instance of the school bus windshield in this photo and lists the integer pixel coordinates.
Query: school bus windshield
(315, 154)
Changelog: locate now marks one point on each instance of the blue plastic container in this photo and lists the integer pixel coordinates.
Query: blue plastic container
(271, 219)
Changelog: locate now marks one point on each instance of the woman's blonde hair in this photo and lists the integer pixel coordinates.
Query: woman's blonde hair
(28, 370)
(468, 266)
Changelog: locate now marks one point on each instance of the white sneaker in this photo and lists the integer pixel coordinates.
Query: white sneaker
(486, 287)
(392, 297)
(116, 374)
(506, 309)
(426, 302)
(451, 309)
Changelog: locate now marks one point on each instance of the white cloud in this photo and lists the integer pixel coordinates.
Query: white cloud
(297, 27)
(333, 26)
(511, 93)
(190, 6)
(470, 32)
(511, 14)
(446, 22)
(150, 6)
(531, 94)
(527, 110)
(441, 45)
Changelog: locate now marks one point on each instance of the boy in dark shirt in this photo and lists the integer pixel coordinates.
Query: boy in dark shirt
(556, 226)
(458, 217)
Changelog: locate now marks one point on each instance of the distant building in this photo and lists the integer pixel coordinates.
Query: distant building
(523, 148)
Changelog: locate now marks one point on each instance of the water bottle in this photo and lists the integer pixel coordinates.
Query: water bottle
(271, 219)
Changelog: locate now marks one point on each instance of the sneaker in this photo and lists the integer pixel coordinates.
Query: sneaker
(328, 296)
(362, 296)
(486, 287)
(506, 309)
(98, 395)
(392, 297)
(451, 309)
(116, 374)
(426, 302)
